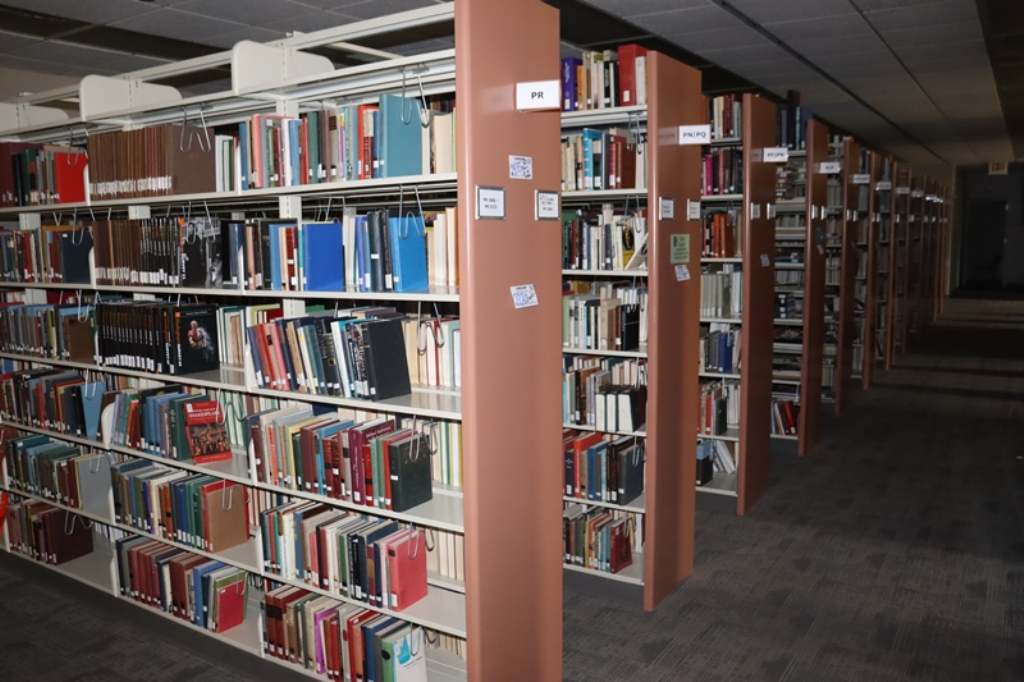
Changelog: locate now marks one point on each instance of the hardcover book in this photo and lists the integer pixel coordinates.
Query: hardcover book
(207, 432)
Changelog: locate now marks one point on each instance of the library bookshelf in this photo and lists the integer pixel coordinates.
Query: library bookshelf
(848, 319)
(886, 258)
(747, 435)
(665, 509)
(507, 609)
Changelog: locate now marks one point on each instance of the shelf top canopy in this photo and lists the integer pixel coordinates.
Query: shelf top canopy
(263, 75)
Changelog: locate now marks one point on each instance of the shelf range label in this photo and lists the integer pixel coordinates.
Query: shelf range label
(699, 134)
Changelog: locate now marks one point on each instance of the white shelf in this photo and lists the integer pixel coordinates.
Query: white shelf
(731, 434)
(433, 294)
(726, 141)
(599, 194)
(604, 117)
(714, 198)
(248, 636)
(782, 436)
(717, 375)
(606, 273)
(720, 484)
(788, 348)
(788, 265)
(94, 569)
(710, 260)
(376, 186)
(721, 320)
(641, 433)
(633, 574)
(785, 381)
(637, 506)
(788, 322)
(605, 353)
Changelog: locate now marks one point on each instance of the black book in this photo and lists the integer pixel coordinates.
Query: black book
(75, 248)
(375, 222)
(196, 339)
(232, 241)
(202, 257)
(387, 369)
(630, 327)
(264, 259)
(409, 460)
(325, 339)
(631, 473)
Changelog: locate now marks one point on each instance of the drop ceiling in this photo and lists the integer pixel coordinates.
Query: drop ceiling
(912, 77)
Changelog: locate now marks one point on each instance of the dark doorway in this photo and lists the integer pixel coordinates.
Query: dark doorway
(983, 242)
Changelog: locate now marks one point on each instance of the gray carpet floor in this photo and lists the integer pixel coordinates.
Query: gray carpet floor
(895, 551)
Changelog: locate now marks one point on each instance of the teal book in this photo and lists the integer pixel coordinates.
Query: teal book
(401, 145)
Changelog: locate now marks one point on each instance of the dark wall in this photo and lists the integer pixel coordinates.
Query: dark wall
(992, 250)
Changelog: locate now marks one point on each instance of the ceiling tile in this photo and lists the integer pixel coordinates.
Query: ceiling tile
(959, 32)
(848, 26)
(924, 16)
(926, 53)
(870, 5)
(685, 21)
(791, 10)
(308, 23)
(715, 40)
(13, 61)
(371, 9)
(10, 42)
(732, 56)
(93, 12)
(173, 23)
(632, 8)
(65, 53)
(254, 13)
(236, 35)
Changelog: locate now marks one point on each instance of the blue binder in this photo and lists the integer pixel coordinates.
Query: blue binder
(324, 256)
(408, 253)
(401, 144)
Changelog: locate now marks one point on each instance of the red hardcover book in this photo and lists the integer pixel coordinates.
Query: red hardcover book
(207, 432)
(627, 73)
(407, 571)
(579, 453)
(622, 553)
(231, 609)
(359, 437)
(69, 176)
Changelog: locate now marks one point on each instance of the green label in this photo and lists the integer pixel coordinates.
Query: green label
(680, 252)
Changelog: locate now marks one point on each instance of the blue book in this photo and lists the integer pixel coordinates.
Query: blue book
(569, 84)
(408, 253)
(363, 253)
(295, 145)
(377, 138)
(197, 584)
(319, 436)
(591, 173)
(276, 281)
(243, 145)
(401, 142)
(324, 256)
(369, 630)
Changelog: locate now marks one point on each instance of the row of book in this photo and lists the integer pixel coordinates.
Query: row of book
(40, 175)
(720, 348)
(722, 234)
(790, 227)
(199, 510)
(593, 240)
(714, 455)
(603, 468)
(596, 160)
(58, 332)
(791, 125)
(601, 80)
(604, 315)
(345, 642)
(718, 407)
(721, 291)
(377, 463)
(205, 592)
(385, 139)
(57, 400)
(51, 253)
(722, 171)
(597, 538)
(157, 336)
(785, 414)
(63, 473)
(725, 114)
(788, 306)
(47, 533)
(608, 394)
(789, 277)
(360, 557)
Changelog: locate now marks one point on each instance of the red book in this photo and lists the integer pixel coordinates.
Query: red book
(207, 433)
(357, 439)
(627, 73)
(231, 609)
(622, 552)
(579, 447)
(407, 570)
(69, 176)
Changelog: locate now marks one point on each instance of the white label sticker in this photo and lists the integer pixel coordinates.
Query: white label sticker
(692, 209)
(490, 203)
(682, 273)
(860, 178)
(667, 208)
(917, 193)
(776, 154)
(700, 134)
(765, 261)
(524, 296)
(520, 167)
(821, 250)
(755, 211)
(829, 167)
(538, 95)
(547, 205)
(902, 190)
(883, 186)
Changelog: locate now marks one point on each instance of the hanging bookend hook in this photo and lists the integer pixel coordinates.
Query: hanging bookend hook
(426, 635)
(184, 127)
(230, 497)
(208, 216)
(421, 339)
(433, 439)
(405, 120)
(421, 226)
(99, 461)
(414, 646)
(424, 111)
(414, 543)
(401, 199)
(438, 332)
(71, 144)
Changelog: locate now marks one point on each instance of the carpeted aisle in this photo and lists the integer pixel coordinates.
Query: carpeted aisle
(895, 551)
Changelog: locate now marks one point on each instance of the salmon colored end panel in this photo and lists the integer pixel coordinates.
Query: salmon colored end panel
(758, 297)
(674, 310)
(814, 289)
(847, 275)
(511, 356)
